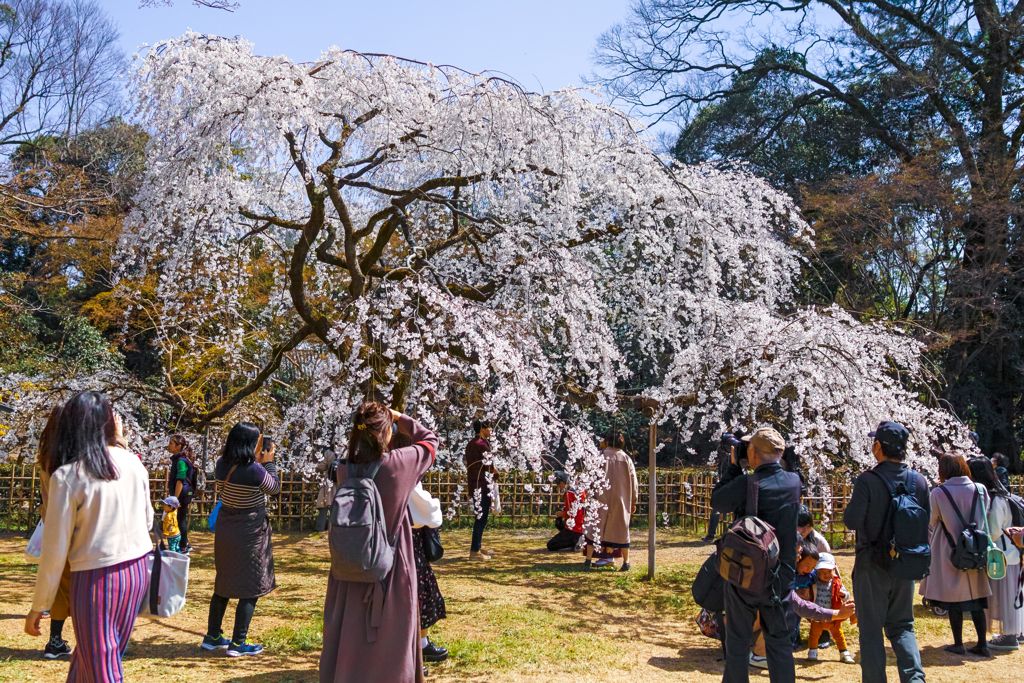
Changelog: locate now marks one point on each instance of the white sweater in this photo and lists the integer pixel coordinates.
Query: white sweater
(93, 523)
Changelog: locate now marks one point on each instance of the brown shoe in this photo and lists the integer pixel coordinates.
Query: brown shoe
(490, 552)
(478, 557)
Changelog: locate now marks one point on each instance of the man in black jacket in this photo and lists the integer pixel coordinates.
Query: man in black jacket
(884, 604)
(778, 499)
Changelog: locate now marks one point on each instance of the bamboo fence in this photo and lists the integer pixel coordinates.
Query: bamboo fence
(683, 500)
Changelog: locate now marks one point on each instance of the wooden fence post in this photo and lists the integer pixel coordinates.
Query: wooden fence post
(652, 499)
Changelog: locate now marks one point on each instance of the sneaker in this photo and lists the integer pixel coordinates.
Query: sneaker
(846, 657)
(625, 567)
(434, 652)
(604, 563)
(478, 557)
(246, 648)
(56, 647)
(1020, 639)
(1004, 643)
(812, 655)
(211, 643)
(758, 662)
(187, 550)
(823, 644)
(708, 539)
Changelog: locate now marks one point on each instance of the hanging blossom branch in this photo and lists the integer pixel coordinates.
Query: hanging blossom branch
(422, 227)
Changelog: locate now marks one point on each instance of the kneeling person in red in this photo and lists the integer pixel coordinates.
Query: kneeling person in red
(568, 521)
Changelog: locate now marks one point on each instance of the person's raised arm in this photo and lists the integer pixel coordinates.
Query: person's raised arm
(730, 493)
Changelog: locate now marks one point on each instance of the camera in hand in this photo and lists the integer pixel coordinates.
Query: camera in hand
(734, 439)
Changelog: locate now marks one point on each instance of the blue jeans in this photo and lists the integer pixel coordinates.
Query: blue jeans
(481, 521)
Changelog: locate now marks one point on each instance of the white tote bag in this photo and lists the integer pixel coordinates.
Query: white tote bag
(35, 545)
(168, 583)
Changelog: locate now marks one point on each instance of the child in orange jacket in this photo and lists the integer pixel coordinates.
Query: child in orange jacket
(828, 591)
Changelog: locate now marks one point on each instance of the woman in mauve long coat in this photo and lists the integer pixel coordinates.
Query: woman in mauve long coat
(362, 643)
(619, 499)
(946, 586)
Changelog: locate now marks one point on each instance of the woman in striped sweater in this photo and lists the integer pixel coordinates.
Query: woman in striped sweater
(243, 554)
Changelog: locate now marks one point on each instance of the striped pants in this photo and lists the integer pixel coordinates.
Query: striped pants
(104, 604)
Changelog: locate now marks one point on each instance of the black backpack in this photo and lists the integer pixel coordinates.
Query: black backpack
(709, 587)
(902, 547)
(1016, 509)
(970, 550)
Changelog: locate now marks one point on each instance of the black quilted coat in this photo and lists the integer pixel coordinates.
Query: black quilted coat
(243, 553)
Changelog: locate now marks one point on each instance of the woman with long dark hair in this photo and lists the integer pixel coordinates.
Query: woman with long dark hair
(371, 631)
(947, 587)
(98, 519)
(1004, 617)
(48, 463)
(242, 549)
(182, 482)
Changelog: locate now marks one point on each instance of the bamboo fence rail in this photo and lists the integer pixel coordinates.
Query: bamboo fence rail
(684, 500)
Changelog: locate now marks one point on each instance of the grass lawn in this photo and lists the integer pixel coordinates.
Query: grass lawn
(527, 615)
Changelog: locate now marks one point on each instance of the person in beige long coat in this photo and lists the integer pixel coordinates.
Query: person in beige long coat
(618, 501)
(946, 586)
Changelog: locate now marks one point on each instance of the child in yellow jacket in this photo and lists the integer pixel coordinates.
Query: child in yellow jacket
(169, 523)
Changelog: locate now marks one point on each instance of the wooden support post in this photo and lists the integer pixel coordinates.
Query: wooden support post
(652, 499)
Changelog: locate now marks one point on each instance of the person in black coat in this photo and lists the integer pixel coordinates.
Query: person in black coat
(777, 505)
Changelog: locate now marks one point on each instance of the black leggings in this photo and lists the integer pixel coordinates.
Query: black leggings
(956, 624)
(185, 502)
(243, 615)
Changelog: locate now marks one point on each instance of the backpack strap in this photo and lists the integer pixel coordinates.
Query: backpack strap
(891, 488)
(963, 523)
(364, 471)
(1018, 602)
(752, 491)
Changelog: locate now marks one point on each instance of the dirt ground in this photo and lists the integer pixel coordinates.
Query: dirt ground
(526, 616)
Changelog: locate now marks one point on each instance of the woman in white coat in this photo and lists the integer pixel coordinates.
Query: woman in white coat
(1004, 617)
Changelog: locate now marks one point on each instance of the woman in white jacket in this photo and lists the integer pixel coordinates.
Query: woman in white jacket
(98, 519)
(1004, 617)
(425, 514)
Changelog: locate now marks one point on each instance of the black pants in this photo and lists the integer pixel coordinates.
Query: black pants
(481, 521)
(740, 611)
(321, 519)
(885, 609)
(713, 524)
(564, 539)
(243, 615)
(186, 503)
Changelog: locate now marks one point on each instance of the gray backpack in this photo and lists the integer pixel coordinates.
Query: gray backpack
(360, 549)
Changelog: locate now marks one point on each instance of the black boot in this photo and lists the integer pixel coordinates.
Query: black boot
(434, 653)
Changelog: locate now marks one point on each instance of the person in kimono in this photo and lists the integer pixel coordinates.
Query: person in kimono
(618, 504)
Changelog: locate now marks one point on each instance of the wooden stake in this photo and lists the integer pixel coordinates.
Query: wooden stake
(652, 499)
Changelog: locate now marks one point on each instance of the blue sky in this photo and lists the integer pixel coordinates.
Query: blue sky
(542, 44)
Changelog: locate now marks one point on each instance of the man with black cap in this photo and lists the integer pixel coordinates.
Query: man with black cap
(569, 522)
(778, 500)
(884, 604)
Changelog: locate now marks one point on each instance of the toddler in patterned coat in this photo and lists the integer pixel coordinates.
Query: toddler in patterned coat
(827, 591)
